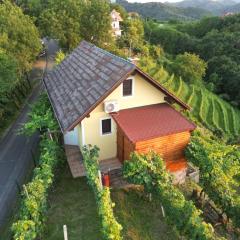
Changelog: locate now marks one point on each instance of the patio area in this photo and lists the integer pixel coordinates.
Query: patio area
(75, 162)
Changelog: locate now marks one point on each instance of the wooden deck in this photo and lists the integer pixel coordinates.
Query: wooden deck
(75, 162)
(176, 165)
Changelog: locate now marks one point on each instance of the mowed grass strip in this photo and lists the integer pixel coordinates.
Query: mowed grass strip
(209, 117)
(180, 87)
(207, 107)
(175, 87)
(230, 113)
(170, 81)
(141, 219)
(224, 113)
(237, 120)
(196, 103)
(203, 106)
(72, 203)
(191, 96)
(218, 115)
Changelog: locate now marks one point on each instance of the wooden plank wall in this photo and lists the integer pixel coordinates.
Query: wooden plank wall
(124, 146)
(128, 148)
(171, 147)
(120, 144)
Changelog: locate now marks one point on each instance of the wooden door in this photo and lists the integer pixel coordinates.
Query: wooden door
(120, 145)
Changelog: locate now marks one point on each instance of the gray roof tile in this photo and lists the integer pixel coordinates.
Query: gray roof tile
(79, 82)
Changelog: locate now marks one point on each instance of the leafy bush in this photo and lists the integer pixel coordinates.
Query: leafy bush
(190, 67)
(41, 118)
(111, 229)
(34, 203)
(149, 170)
(219, 166)
(59, 57)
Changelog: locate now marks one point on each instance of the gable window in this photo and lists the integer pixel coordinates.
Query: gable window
(106, 125)
(128, 87)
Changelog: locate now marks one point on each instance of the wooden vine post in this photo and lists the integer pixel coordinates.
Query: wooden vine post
(163, 212)
(50, 135)
(65, 234)
(25, 190)
(100, 179)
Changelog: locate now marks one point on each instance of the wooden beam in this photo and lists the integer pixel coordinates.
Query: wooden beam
(169, 100)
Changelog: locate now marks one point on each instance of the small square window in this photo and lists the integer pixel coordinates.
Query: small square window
(127, 87)
(106, 126)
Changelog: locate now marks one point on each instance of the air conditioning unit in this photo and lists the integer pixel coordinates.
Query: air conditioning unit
(111, 106)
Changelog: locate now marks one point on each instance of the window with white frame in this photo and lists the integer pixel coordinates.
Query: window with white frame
(106, 126)
(127, 87)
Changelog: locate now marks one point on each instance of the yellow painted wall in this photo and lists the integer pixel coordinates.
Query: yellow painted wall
(143, 94)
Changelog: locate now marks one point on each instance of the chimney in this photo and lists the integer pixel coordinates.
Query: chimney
(134, 60)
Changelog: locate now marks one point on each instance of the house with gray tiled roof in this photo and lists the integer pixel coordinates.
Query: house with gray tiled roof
(104, 100)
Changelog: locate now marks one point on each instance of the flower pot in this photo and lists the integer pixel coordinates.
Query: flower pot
(106, 180)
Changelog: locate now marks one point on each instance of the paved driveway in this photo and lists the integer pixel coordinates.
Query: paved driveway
(16, 156)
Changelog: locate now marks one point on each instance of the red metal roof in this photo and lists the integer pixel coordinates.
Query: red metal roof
(152, 121)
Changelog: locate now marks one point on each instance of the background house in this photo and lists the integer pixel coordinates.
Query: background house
(104, 100)
(115, 23)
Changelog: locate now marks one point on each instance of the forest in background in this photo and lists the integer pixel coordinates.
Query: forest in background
(215, 40)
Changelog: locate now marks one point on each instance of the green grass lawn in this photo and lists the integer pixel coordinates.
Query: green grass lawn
(141, 219)
(72, 203)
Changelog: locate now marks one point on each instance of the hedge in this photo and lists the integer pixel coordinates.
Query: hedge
(219, 166)
(149, 170)
(30, 223)
(111, 229)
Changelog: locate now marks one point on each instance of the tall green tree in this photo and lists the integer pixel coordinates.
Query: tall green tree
(9, 84)
(172, 40)
(69, 21)
(19, 36)
(190, 67)
(33, 8)
(96, 22)
(224, 73)
(8, 73)
(61, 20)
(133, 36)
(217, 43)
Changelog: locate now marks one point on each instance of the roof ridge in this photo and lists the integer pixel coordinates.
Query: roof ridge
(109, 53)
(86, 65)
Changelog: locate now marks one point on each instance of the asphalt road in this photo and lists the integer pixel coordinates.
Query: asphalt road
(16, 155)
(15, 162)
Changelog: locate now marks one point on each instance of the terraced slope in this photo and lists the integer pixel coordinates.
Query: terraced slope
(213, 112)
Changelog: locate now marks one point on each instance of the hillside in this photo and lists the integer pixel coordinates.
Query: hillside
(233, 9)
(209, 109)
(215, 7)
(163, 11)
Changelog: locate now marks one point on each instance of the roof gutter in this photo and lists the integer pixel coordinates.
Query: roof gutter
(52, 106)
